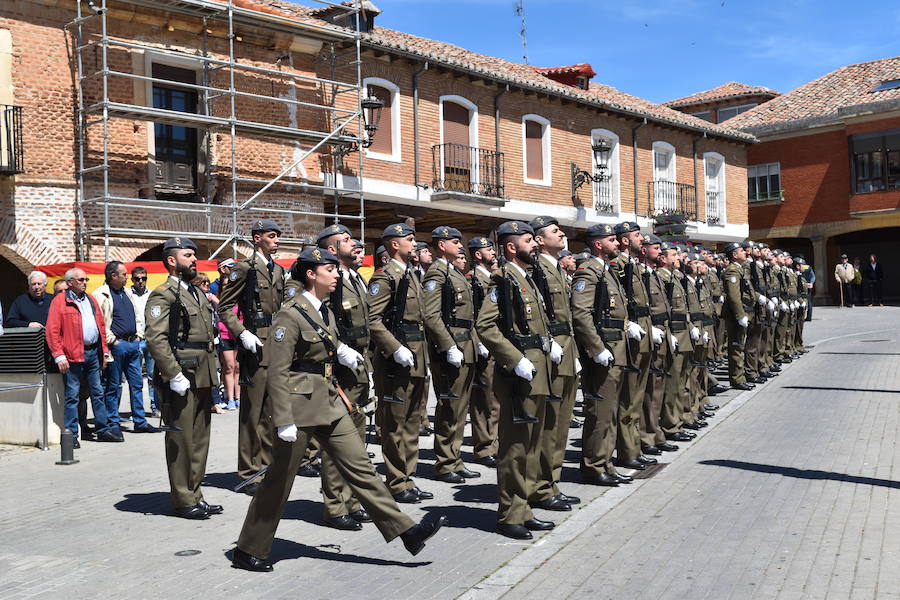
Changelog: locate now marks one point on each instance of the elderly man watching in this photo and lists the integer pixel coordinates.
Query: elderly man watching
(76, 335)
(30, 310)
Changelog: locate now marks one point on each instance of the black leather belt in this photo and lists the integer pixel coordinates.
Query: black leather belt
(412, 332)
(678, 326)
(613, 324)
(640, 311)
(659, 319)
(127, 338)
(353, 333)
(208, 346)
(561, 328)
(611, 335)
(697, 316)
(531, 342)
(464, 323)
(91, 346)
(462, 336)
(324, 369)
(709, 321)
(679, 316)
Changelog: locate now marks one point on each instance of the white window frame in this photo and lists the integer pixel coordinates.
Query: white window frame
(394, 89)
(754, 169)
(151, 58)
(547, 179)
(721, 181)
(661, 147)
(612, 168)
(473, 132)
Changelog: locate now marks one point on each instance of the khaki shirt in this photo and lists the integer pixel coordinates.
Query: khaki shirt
(588, 276)
(739, 299)
(444, 335)
(271, 295)
(641, 296)
(680, 325)
(559, 297)
(382, 285)
(199, 311)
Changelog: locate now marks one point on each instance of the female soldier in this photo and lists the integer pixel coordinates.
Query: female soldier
(307, 403)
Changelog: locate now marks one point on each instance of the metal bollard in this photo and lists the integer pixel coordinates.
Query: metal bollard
(67, 448)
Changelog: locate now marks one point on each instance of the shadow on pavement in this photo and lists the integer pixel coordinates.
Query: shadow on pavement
(836, 389)
(154, 503)
(304, 510)
(864, 353)
(225, 481)
(801, 473)
(287, 549)
(482, 492)
(466, 517)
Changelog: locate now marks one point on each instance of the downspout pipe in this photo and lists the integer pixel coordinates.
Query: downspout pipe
(634, 161)
(696, 181)
(497, 96)
(415, 86)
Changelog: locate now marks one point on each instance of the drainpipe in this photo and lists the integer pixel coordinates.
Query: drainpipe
(696, 183)
(415, 86)
(634, 162)
(497, 131)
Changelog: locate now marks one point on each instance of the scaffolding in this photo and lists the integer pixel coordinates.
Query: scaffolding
(97, 109)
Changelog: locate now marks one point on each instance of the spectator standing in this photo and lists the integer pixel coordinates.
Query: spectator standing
(30, 309)
(76, 335)
(873, 274)
(60, 285)
(124, 331)
(225, 266)
(230, 366)
(139, 294)
(809, 278)
(857, 282)
(843, 274)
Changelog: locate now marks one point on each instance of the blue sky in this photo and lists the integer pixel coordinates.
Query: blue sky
(661, 50)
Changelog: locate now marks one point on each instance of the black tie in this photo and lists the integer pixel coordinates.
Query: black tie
(271, 266)
(352, 277)
(323, 310)
(193, 291)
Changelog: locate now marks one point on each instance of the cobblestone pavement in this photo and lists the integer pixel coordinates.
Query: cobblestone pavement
(787, 494)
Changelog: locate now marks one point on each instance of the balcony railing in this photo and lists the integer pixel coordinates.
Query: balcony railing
(12, 151)
(467, 170)
(669, 196)
(713, 208)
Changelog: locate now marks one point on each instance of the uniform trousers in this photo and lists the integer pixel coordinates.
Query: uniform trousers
(484, 409)
(399, 423)
(255, 431)
(555, 436)
(450, 415)
(186, 450)
(602, 387)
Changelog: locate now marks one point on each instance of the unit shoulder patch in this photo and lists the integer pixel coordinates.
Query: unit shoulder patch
(279, 334)
(431, 285)
(155, 311)
(579, 285)
(233, 276)
(494, 296)
(375, 288)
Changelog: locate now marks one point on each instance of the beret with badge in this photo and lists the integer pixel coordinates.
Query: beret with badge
(446, 233)
(479, 242)
(514, 228)
(263, 226)
(599, 230)
(179, 243)
(397, 230)
(539, 222)
(331, 230)
(626, 227)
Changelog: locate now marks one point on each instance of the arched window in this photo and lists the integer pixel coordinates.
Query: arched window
(606, 192)
(714, 180)
(536, 159)
(459, 144)
(665, 189)
(386, 143)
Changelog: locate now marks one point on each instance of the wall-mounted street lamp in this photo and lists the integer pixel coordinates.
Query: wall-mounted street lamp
(601, 149)
(371, 107)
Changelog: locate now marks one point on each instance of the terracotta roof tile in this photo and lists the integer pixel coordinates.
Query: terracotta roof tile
(726, 91)
(826, 98)
(580, 68)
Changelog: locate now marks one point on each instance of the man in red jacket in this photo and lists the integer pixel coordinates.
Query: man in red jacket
(76, 335)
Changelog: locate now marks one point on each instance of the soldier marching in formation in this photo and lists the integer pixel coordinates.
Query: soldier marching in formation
(639, 326)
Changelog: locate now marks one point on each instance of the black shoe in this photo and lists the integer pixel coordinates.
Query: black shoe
(371, 454)
(701, 424)
(757, 379)
(415, 537)
(191, 512)
(678, 436)
(743, 386)
(710, 407)
(775, 368)
(716, 389)
(667, 447)
(308, 471)
(422, 494)
(468, 474)
(538, 525)
(407, 497)
(633, 464)
(250, 489)
(766, 375)
(361, 516)
(88, 436)
(692, 425)
(344, 523)
(623, 478)
(425, 431)
(248, 562)
(569, 499)
(489, 461)
(450, 478)
(213, 509)
(516, 532)
(787, 359)
(652, 450)
(691, 435)
(76, 444)
(573, 424)
(552, 503)
(646, 460)
(110, 436)
(145, 428)
(602, 479)
(706, 415)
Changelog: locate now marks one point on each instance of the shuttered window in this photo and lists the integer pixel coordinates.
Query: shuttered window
(383, 142)
(534, 150)
(456, 124)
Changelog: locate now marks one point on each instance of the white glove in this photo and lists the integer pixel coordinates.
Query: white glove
(349, 357)
(762, 300)
(525, 369)
(455, 356)
(705, 337)
(250, 341)
(657, 334)
(771, 305)
(744, 322)
(796, 305)
(403, 356)
(577, 366)
(803, 304)
(673, 341)
(635, 331)
(783, 306)
(721, 299)
(288, 432)
(482, 350)
(695, 334)
(179, 384)
(605, 358)
(556, 352)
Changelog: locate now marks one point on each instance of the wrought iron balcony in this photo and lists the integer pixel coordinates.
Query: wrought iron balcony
(713, 208)
(467, 171)
(669, 196)
(12, 151)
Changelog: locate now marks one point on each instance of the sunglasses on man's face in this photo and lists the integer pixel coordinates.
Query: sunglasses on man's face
(136, 278)
(82, 279)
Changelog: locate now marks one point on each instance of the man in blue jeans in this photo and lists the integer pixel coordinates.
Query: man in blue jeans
(76, 336)
(124, 330)
(140, 293)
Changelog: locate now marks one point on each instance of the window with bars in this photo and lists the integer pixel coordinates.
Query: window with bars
(876, 161)
(764, 182)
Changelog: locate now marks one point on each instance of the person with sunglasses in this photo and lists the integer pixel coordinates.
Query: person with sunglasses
(139, 294)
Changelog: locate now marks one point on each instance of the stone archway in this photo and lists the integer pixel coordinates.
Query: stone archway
(884, 242)
(13, 276)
